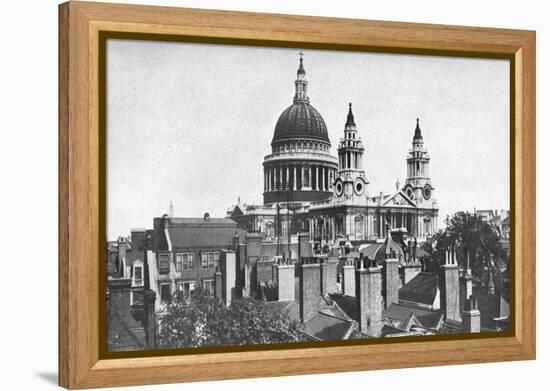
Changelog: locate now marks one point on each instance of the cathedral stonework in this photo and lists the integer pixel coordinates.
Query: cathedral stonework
(306, 189)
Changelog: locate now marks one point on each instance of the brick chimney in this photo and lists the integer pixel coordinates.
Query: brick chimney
(122, 270)
(391, 281)
(310, 287)
(450, 289)
(348, 280)
(304, 247)
(328, 275)
(285, 282)
(466, 289)
(228, 269)
(253, 244)
(150, 325)
(471, 317)
(235, 241)
(119, 295)
(218, 284)
(369, 298)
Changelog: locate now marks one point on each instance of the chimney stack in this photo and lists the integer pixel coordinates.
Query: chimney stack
(150, 318)
(391, 280)
(218, 284)
(235, 242)
(229, 275)
(304, 247)
(285, 282)
(310, 287)
(466, 289)
(450, 289)
(253, 244)
(369, 298)
(349, 277)
(328, 275)
(471, 317)
(119, 295)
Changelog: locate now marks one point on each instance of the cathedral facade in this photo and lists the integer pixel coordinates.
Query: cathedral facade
(306, 189)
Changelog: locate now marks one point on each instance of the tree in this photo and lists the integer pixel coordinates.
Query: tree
(471, 235)
(201, 321)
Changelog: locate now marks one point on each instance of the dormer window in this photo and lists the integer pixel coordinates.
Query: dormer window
(138, 275)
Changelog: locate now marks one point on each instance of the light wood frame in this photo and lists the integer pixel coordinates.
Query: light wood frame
(81, 247)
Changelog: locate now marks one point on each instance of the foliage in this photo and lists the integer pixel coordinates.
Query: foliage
(470, 234)
(201, 321)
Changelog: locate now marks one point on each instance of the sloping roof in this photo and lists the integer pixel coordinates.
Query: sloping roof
(348, 305)
(198, 232)
(402, 313)
(124, 333)
(421, 289)
(325, 327)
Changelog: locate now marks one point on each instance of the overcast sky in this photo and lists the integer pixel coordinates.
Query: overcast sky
(192, 123)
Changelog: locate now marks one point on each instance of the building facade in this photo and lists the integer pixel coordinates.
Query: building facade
(308, 189)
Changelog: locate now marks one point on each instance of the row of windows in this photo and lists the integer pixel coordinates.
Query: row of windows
(184, 261)
(186, 287)
(301, 146)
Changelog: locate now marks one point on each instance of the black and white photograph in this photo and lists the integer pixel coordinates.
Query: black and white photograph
(266, 195)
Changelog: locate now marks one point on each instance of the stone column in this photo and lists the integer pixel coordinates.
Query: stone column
(287, 177)
(323, 181)
(295, 180)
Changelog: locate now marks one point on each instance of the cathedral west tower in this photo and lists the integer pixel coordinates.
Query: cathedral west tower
(351, 182)
(418, 186)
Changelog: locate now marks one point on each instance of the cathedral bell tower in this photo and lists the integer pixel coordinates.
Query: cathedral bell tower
(418, 186)
(351, 183)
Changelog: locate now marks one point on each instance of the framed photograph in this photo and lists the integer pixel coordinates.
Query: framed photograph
(246, 195)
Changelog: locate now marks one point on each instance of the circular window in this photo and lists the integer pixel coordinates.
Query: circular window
(409, 192)
(339, 188)
(427, 192)
(359, 187)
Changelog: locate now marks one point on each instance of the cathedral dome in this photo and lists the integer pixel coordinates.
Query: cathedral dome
(299, 121)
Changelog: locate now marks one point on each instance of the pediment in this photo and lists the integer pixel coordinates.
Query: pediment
(237, 211)
(399, 199)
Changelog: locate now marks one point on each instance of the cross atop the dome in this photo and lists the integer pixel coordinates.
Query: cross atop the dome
(301, 53)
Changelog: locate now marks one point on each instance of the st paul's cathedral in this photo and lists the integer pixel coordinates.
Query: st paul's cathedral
(306, 189)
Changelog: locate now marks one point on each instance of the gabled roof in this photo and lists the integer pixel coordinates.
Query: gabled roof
(406, 315)
(238, 210)
(328, 322)
(399, 199)
(421, 289)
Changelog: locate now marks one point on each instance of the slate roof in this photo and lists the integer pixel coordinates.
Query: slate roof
(421, 289)
(325, 327)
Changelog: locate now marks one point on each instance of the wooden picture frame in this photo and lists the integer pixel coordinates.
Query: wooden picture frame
(80, 203)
